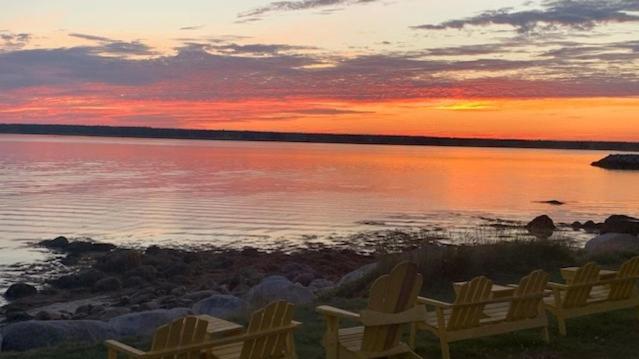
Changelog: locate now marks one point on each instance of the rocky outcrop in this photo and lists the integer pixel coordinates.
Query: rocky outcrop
(278, 287)
(611, 243)
(62, 244)
(357, 275)
(618, 162)
(542, 226)
(20, 290)
(621, 224)
(144, 323)
(37, 334)
(221, 306)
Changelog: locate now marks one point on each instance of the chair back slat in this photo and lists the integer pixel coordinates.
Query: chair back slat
(391, 293)
(275, 315)
(578, 297)
(529, 286)
(181, 332)
(625, 289)
(468, 316)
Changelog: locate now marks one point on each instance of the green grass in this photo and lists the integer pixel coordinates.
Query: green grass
(611, 335)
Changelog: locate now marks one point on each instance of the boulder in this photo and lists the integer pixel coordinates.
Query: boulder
(60, 242)
(612, 242)
(591, 226)
(37, 334)
(145, 323)
(20, 290)
(221, 306)
(621, 224)
(618, 162)
(357, 274)
(541, 226)
(107, 285)
(120, 261)
(320, 284)
(278, 287)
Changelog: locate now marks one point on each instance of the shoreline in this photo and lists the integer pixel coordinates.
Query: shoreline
(298, 137)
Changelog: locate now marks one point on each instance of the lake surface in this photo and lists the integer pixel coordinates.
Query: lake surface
(193, 193)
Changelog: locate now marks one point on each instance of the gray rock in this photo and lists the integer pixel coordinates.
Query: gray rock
(37, 334)
(612, 242)
(107, 285)
(621, 224)
(541, 226)
(144, 323)
(278, 287)
(20, 290)
(320, 284)
(357, 274)
(619, 162)
(221, 306)
(199, 295)
(111, 313)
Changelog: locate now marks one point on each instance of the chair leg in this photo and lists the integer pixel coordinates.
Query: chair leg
(445, 349)
(562, 326)
(292, 351)
(112, 354)
(413, 335)
(545, 334)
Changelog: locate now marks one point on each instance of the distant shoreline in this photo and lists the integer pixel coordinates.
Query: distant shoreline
(223, 135)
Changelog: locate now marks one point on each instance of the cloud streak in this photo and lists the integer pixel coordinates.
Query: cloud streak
(280, 6)
(571, 14)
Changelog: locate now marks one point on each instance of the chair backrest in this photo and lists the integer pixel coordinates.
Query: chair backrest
(392, 293)
(584, 279)
(625, 289)
(465, 314)
(274, 316)
(525, 304)
(181, 332)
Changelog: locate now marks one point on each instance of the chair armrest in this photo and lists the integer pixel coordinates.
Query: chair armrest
(123, 348)
(434, 302)
(336, 312)
(558, 286)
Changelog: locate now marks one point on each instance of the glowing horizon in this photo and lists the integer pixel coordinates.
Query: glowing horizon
(340, 66)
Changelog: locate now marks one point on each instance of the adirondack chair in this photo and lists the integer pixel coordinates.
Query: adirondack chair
(475, 313)
(180, 333)
(391, 306)
(587, 294)
(269, 336)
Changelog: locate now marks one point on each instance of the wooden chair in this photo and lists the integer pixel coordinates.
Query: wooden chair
(180, 333)
(475, 313)
(391, 305)
(588, 294)
(269, 336)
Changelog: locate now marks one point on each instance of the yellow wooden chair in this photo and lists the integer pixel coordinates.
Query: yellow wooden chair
(587, 294)
(180, 333)
(391, 306)
(269, 336)
(475, 313)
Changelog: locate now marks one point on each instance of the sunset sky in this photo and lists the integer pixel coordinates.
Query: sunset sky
(555, 69)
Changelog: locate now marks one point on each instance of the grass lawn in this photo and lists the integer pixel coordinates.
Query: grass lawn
(611, 335)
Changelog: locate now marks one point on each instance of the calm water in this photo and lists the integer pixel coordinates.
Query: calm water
(178, 192)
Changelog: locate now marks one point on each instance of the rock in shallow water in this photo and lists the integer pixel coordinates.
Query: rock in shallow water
(20, 290)
(542, 226)
(618, 162)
